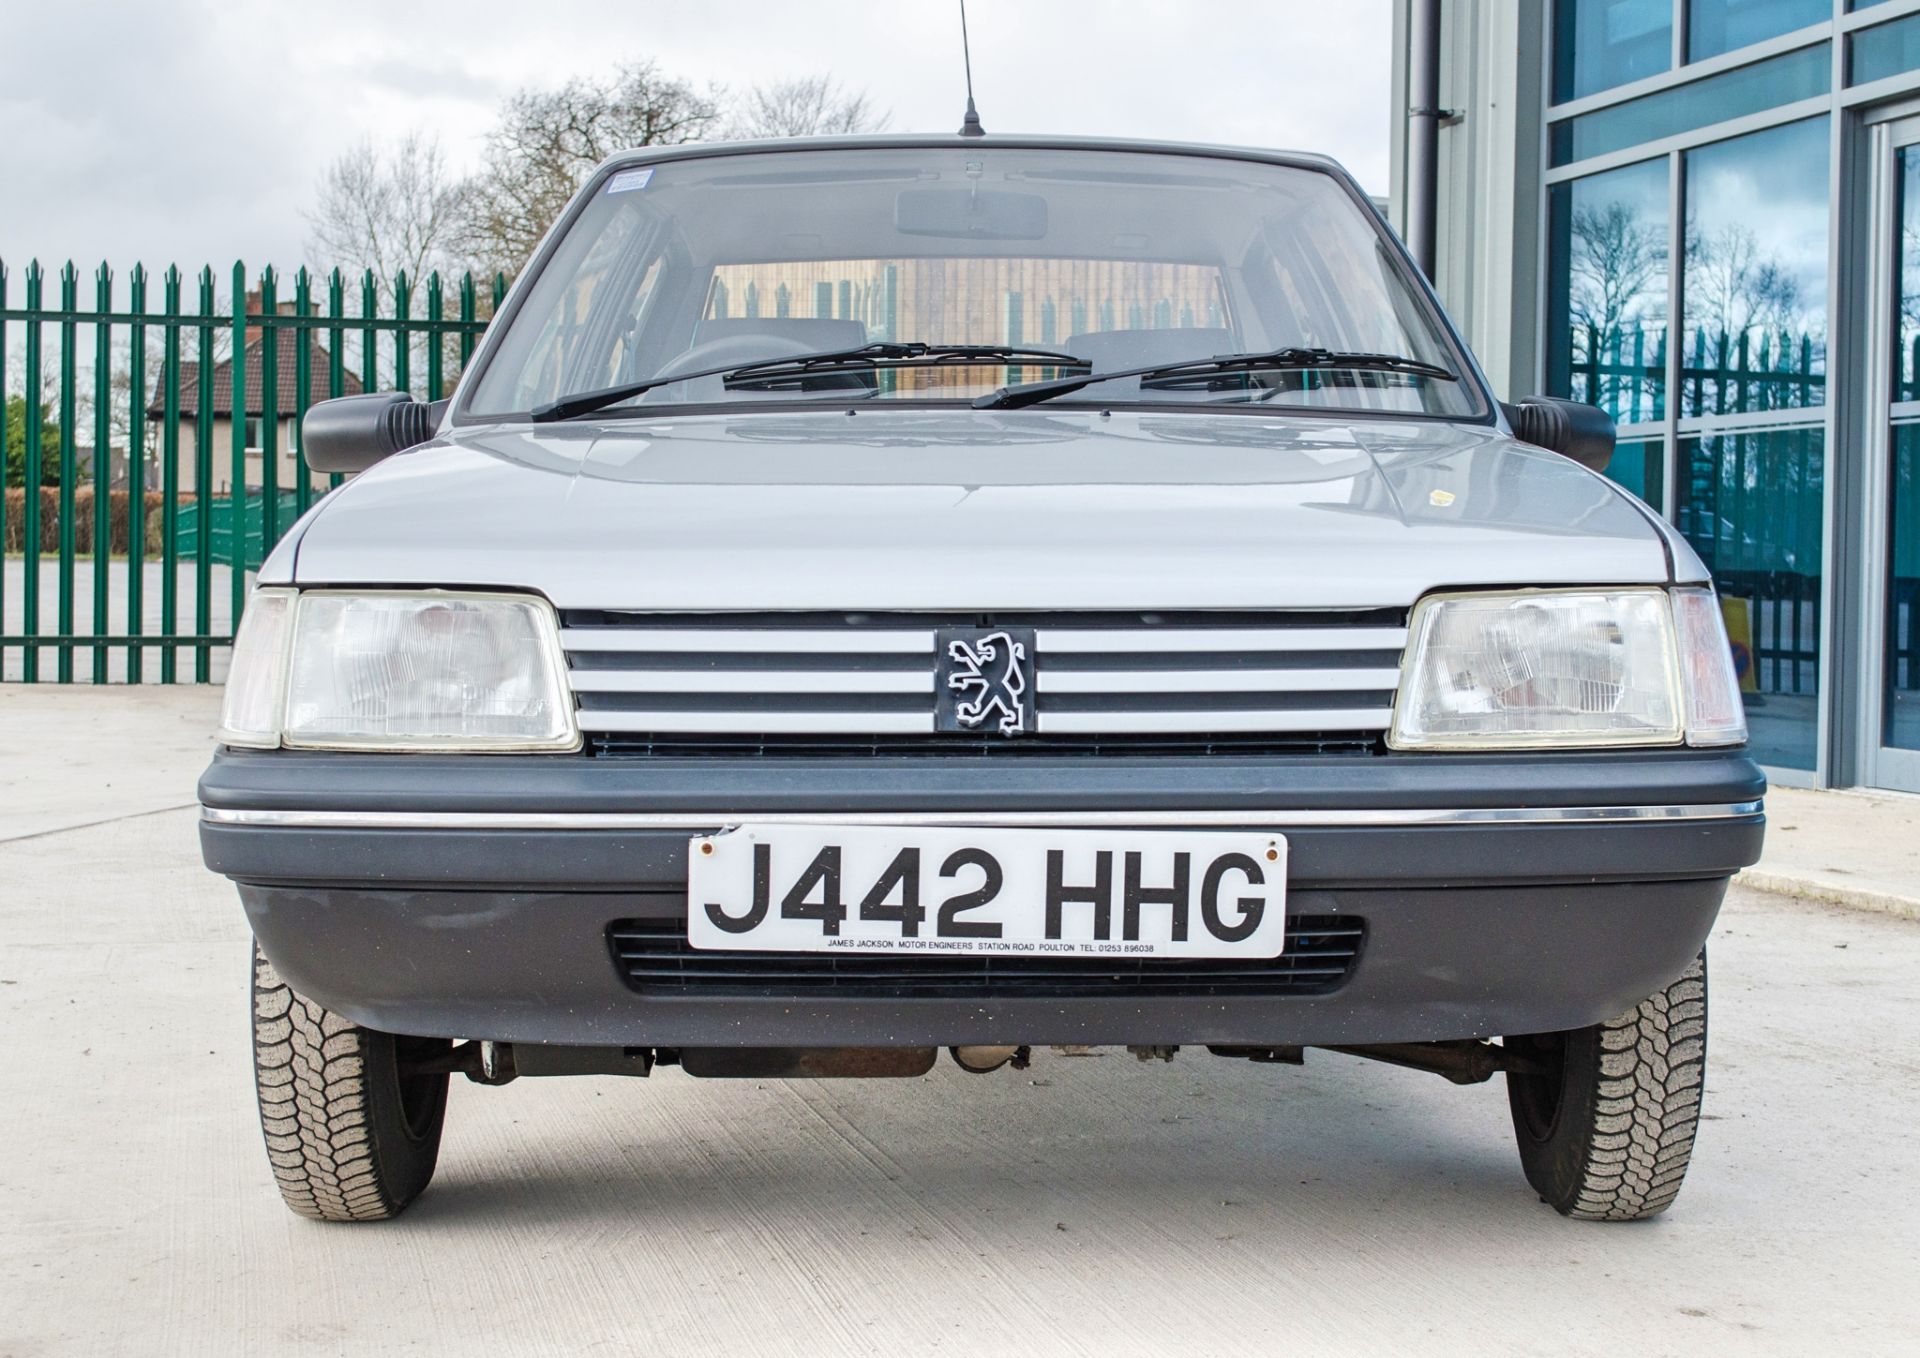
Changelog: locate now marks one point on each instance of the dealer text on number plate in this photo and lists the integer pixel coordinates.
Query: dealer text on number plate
(1084, 893)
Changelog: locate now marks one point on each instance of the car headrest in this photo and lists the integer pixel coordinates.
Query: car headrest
(816, 332)
(1137, 348)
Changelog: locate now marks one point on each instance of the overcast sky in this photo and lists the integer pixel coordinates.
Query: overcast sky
(194, 130)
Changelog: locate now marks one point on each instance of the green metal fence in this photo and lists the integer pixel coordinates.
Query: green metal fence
(163, 444)
(254, 543)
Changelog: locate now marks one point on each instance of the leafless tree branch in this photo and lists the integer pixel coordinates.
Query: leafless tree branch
(388, 210)
(547, 142)
(804, 107)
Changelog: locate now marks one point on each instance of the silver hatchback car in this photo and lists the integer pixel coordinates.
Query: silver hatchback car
(875, 595)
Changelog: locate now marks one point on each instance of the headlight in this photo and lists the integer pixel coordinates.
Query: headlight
(257, 678)
(1532, 671)
(403, 671)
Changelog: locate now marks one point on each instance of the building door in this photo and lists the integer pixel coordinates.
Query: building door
(1891, 531)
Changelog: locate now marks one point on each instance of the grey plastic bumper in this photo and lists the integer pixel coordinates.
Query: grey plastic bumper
(444, 897)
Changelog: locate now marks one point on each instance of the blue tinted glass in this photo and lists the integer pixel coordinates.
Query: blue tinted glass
(1751, 506)
(1906, 317)
(1751, 89)
(1753, 340)
(1636, 465)
(1888, 49)
(1753, 336)
(1716, 26)
(1607, 291)
(1900, 715)
(1598, 44)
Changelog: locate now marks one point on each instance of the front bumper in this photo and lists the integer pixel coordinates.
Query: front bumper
(471, 897)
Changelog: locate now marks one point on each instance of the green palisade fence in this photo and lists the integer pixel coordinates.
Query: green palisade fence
(139, 493)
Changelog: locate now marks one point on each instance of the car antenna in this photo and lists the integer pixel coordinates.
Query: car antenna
(969, 125)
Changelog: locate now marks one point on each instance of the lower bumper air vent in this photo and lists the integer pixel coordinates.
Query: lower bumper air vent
(654, 957)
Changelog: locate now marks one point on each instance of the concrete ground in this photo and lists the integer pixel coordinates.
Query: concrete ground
(1091, 1205)
(1850, 848)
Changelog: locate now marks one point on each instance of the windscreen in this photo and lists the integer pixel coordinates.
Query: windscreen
(1087, 261)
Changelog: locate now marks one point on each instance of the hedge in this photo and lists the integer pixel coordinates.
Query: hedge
(117, 506)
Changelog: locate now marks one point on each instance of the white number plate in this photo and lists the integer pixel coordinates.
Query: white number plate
(1089, 893)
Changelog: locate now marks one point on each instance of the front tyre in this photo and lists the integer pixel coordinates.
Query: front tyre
(352, 1130)
(1606, 1129)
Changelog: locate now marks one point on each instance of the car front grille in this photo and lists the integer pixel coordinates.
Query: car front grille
(981, 745)
(1098, 680)
(655, 959)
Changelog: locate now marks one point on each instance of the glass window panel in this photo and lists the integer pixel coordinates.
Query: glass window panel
(1792, 76)
(1636, 465)
(1598, 44)
(1887, 49)
(1753, 336)
(1716, 26)
(1607, 291)
(1900, 713)
(1906, 356)
(1750, 504)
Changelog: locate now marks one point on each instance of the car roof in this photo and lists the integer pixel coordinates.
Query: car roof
(950, 141)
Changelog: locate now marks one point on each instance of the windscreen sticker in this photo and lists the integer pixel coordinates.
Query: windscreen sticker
(629, 179)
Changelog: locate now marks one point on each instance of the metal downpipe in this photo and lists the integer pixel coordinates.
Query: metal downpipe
(1423, 132)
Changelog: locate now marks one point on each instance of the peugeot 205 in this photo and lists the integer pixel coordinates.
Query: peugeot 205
(874, 595)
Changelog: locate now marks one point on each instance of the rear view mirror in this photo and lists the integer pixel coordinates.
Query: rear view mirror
(1581, 432)
(350, 433)
(971, 214)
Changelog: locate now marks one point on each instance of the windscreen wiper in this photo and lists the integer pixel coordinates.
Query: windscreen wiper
(1293, 359)
(783, 372)
(792, 367)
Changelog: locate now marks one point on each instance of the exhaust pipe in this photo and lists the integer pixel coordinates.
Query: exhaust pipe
(806, 1063)
(982, 1060)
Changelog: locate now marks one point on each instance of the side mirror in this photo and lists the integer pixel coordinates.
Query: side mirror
(1581, 432)
(350, 433)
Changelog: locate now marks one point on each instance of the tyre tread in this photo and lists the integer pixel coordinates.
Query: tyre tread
(1651, 1077)
(310, 1069)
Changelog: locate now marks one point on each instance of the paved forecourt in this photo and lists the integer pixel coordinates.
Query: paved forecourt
(1091, 1205)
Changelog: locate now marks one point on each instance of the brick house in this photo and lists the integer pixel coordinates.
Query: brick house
(287, 342)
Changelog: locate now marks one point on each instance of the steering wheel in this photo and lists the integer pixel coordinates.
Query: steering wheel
(728, 348)
(742, 350)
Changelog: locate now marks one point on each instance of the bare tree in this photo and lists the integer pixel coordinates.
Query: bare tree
(1619, 271)
(805, 107)
(547, 141)
(1733, 291)
(388, 210)
(1762, 345)
(1910, 278)
(1617, 285)
(1908, 360)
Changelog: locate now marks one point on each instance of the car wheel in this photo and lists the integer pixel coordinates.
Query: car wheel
(1606, 1122)
(352, 1129)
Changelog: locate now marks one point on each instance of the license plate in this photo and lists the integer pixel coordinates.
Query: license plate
(1082, 893)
